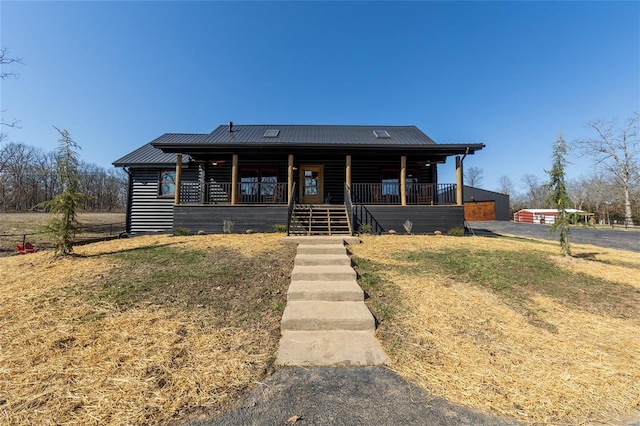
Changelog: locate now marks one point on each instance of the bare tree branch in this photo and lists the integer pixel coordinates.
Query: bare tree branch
(5, 59)
(616, 152)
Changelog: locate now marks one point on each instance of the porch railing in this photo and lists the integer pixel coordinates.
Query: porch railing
(361, 219)
(417, 193)
(220, 193)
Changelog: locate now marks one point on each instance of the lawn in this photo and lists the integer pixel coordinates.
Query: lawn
(161, 329)
(14, 225)
(147, 330)
(508, 326)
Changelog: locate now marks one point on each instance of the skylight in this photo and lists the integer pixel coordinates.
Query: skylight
(271, 133)
(381, 134)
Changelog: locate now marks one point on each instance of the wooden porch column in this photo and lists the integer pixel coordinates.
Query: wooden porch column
(176, 192)
(234, 179)
(458, 181)
(290, 179)
(347, 172)
(403, 180)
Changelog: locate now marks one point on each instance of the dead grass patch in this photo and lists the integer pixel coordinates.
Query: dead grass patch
(14, 225)
(469, 336)
(79, 346)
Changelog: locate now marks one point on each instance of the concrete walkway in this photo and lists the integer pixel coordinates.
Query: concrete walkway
(326, 322)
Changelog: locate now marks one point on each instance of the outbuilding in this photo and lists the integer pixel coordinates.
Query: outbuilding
(545, 216)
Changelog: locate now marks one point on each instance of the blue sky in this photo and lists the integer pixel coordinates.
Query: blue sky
(507, 74)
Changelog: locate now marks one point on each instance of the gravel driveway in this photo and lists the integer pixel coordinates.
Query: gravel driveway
(608, 238)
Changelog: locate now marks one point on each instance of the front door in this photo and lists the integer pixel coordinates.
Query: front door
(311, 184)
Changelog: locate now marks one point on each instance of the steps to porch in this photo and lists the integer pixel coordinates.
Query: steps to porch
(319, 219)
(326, 321)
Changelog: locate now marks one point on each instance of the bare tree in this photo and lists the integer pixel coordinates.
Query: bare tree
(28, 178)
(536, 193)
(473, 176)
(505, 185)
(616, 151)
(5, 59)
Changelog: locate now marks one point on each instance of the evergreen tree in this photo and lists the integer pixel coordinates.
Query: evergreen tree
(559, 195)
(64, 227)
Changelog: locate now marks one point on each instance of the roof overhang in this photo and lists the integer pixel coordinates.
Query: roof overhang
(217, 148)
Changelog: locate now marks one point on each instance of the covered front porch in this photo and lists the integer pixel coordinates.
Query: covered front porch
(377, 193)
(316, 178)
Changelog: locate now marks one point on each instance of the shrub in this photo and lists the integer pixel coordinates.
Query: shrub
(181, 232)
(456, 232)
(227, 226)
(365, 228)
(408, 226)
(278, 227)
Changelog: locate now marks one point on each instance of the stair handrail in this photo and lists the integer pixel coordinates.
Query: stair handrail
(364, 217)
(291, 206)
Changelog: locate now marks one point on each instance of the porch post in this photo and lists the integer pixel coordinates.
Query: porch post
(234, 179)
(290, 179)
(403, 180)
(176, 192)
(347, 172)
(458, 181)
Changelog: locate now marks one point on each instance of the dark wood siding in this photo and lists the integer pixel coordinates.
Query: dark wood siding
(425, 219)
(368, 169)
(149, 212)
(210, 218)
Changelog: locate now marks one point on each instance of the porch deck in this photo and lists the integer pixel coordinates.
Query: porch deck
(269, 193)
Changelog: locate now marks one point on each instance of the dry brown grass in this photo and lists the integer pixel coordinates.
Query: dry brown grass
(14, 225)
(68, 356)
(473, 346)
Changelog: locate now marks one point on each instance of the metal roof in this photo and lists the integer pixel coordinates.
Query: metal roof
(246, 136)
(317, 135)
(149, 156)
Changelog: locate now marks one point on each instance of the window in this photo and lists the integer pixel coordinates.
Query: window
(381, 134)
(258, 181)
(311, 182)
(412, 181)
(249, 179)
(390, 181)
(167, 183)
(271, 133)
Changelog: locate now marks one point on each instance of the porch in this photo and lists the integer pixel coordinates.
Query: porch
(253, 193)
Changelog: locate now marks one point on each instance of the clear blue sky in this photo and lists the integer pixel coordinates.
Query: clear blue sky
(507, 74)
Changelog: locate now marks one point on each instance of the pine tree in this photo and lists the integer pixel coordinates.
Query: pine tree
(65, 226)
(559, 195)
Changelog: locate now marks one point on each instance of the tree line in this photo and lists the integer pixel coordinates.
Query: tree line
(611, 191)
(28, 179)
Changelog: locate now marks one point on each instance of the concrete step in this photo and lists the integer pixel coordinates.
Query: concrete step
(322, 259)
(321, 248)
(330, 348)
(323, 273)
(339, 291)
(325, 240)
(321, 315)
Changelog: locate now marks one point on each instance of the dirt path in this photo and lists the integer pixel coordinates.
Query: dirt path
(345, 396)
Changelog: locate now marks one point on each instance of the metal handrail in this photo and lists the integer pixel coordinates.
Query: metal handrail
(291, 206)
(220, 192)
(416, 193)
